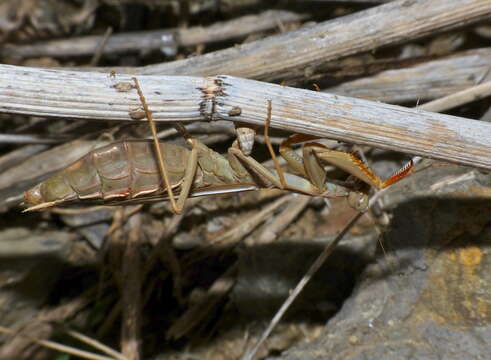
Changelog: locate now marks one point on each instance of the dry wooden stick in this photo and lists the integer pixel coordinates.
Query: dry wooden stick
(291, 54)
(43, 325)
(58, 93)
(30, 139)
(195, 315)
(459, 98)
(234, 235)
(99, 50)
(95, 344)
(284, 219)
(60, 347)
(426, 81)
(157, 39)
(131, 289)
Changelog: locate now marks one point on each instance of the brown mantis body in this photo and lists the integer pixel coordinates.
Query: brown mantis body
(128, 171)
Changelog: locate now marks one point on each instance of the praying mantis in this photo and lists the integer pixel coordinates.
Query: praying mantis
(134, 171)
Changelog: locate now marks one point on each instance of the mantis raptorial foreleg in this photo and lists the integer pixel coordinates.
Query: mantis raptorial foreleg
(281, 179)
(352, 164)
(315, 153)
(237, 155)
(245, 137)
(311, 166)
(292, 182)
(311, 169)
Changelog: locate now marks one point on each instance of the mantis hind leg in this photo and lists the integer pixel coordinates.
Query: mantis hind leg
(188, 179)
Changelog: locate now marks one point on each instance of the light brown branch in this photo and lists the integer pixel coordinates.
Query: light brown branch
(427, 81)
(156, 39)
(57, 93)
(292, 54)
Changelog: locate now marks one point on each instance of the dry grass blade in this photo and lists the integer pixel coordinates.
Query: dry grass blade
(245, 227)
(249, 355)
(63, 348)
(285, 218)
(96, 344)
(459, 98)
(100, 47)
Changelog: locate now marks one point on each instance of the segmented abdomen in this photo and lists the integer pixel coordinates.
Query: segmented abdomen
(125, 169)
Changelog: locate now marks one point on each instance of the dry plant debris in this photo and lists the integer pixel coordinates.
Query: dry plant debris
(139, 282)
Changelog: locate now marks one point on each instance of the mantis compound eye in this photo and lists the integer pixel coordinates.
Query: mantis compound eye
(358, 201)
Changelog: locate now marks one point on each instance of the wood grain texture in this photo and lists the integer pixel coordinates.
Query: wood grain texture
(87, 95)
(307, 49)
(426, 81)
(156, 39)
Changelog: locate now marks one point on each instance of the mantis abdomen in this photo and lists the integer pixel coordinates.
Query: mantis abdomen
(121, 170)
